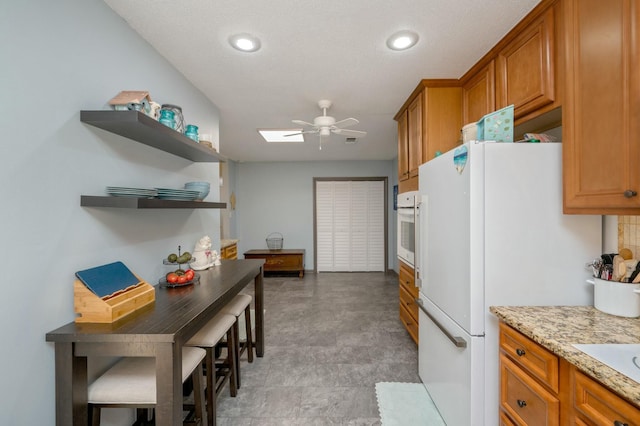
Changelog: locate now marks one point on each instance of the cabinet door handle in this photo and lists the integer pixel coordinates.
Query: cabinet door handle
(630, 193)
(619, 423)
(521, 403)
(520, 352)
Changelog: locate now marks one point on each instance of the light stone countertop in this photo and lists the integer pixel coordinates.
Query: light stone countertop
(227, 243)
(558, 327)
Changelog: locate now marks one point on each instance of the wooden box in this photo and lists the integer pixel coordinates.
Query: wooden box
(91, 308)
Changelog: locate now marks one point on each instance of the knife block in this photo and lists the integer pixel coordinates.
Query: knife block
(91, 308)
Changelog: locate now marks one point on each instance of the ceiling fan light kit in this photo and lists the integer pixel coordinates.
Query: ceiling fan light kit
(325, 125)
(402, 40)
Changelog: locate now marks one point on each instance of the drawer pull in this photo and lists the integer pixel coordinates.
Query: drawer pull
(521, 403)
(619, 423)
(520, 352)
(630, 193)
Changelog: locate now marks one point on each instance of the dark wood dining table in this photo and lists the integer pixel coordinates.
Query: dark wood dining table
(158, 330)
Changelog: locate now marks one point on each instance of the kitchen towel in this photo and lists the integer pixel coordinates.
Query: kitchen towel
(406, 404)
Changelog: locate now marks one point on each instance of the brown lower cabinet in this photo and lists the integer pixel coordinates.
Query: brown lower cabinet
(229, 252)
(539, 388)
(408, 293)
(595, 405)
(529, 380)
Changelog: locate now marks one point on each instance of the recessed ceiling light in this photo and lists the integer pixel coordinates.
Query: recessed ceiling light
(282, 135)
(245, 42)
(402, 40)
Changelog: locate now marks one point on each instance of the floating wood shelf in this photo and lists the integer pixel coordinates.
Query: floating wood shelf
(145, 203)
(141, 128)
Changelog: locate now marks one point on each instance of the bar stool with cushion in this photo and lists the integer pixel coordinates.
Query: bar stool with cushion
(236, 307)
(131, 382)
(217, 374)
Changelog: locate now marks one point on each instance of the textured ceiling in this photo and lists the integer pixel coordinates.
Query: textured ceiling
(312, 50)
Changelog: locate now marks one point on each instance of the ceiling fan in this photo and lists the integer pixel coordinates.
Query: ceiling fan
(324, 125)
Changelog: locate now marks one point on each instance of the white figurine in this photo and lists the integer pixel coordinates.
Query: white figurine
(204, 256)
(216, 258)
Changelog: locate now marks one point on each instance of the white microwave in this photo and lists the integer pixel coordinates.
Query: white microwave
(407, 204)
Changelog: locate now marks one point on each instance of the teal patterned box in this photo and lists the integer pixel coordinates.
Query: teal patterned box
(497, 126)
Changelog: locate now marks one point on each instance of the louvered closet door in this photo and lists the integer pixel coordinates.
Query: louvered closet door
(324, 226)
(375, 230)
(350, 226)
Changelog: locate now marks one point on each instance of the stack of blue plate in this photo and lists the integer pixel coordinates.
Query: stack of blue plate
(123, 191)
(202, 188)
(176, 194)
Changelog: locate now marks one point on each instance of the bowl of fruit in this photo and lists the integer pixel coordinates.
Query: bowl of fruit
(180, 276)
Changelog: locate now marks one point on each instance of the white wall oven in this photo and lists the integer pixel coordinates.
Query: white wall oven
(407, 227)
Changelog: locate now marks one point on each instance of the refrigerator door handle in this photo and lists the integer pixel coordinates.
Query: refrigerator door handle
(418, 241)
(456, 340)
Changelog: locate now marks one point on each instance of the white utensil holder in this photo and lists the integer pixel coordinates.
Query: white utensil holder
(615, 298)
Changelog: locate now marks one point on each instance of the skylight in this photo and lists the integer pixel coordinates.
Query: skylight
(282, 135)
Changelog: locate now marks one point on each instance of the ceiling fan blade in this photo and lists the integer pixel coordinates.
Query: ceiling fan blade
(347, 122)
(302, 123)
(301, 133)
(347, 132)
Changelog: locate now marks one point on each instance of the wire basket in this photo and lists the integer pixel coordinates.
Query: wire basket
(274, 241)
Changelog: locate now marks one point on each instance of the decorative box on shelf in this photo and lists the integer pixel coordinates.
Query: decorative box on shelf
(497, 126)
(107, 293)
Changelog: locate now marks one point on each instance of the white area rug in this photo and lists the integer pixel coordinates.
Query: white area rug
(406, 404)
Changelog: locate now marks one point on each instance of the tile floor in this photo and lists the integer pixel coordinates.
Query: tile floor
(328, 339)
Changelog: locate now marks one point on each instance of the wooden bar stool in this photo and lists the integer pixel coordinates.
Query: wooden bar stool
(131, 382)
(217, 374)
(236, 307)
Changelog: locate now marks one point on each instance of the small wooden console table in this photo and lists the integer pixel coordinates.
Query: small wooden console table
(291, 260)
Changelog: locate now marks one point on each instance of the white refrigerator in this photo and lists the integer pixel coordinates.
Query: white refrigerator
(492, 232)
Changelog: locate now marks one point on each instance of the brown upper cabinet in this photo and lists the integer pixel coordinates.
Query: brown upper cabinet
(478, 93)
(601, 111)
(409, 144)
(443, 117)
(428, 122)
(525, 67)
(520, 70)
(581, 55)
(403, 146)
(414, 116)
